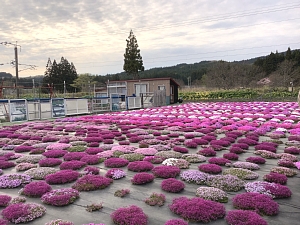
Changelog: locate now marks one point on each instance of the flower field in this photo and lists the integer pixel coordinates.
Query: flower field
(216, 163)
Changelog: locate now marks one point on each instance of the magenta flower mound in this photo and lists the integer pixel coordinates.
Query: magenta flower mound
(276, 178)
(260, 203)
(50, 162)
(154, 159)
(72, 165)
(4, 200)
(210, 168)
(3, 222)
(91, 159)
(140, 166)
(62, 177)
(209, 151)
(115, 173)
(60, 197)
(236, 150)
(231, 156)
(273, 190)
(6, 164)
(142, 178)
(244, 217)
(55, 153)
(74, 156)
(292, 150)
(23, 212)
(23, 148)
(190, 143)
(116, 162)
(36, 189)
(92, 182)
(257, 160)
(129, 215)
(176, 222)
(219, 161)
(166, 171)
(91, 170)
(93, 151)
(197, 209)
(172, 185)
(180, 149)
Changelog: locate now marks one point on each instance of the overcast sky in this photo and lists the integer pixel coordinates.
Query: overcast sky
(92, 33)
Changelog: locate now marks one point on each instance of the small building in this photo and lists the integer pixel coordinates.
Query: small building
(158, 91)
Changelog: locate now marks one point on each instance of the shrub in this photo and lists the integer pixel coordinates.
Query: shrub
(172, 185)
(154, 159)
(49, 162)
(94, 207)
(197, 209)
(260, 203)
(91, 183)
(91, 170)
(116, 162)
(219, 161)
(129, 215)
(93, 151)
(14, 180)
(180, 149)
(257, 160)
(292, 150)
(91, 159)
(176, 222)
(166, 171)
(194, 158)
(74, 156)
(115, 174)
(72, 165)
(180, 163)
(59, 222)
(4, 200)
(121, 193)
(276, 178)
(231, 156)
(35, 189)
(285, 163)
(140, 166)
(62, 177)
(169, 154)
(236, 150)
(40, 173)
(23, 212)
(133, 157)
(225, 182)
(210, 168)
(194, 176)
(273, 190)
(25, 166)
(29, 159)
(246, 165)
(23, 148)
(6, 164)
(142, 178)
(146, 151)
(77, 148)
(283, 170)
(243, 174)
(156, 199)
(244, 217)
(211, 193)
(60, 197)
(209, 151)
(55, 153)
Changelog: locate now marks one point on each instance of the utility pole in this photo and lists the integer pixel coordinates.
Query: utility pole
(16, 63)
(17, 70)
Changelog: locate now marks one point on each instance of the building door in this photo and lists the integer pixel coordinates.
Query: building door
(172, 94)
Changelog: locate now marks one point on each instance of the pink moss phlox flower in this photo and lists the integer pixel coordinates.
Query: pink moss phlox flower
(244, 217)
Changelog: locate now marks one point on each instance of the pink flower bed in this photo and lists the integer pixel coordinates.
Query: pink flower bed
(62, 177)
(140, 166)
(166, 171)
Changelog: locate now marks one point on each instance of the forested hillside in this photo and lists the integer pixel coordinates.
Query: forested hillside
(274, 70)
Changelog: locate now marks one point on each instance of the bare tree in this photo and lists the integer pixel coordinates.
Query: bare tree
(287, 72)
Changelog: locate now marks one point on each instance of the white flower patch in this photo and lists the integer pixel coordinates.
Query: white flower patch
(281, 129)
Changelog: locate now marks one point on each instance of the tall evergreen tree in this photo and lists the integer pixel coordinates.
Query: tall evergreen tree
(133, 62)
(57, 73)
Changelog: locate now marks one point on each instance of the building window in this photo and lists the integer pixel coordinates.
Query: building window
(161, 87)
(140, 88)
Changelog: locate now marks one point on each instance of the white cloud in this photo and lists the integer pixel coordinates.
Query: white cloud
(92, 33)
